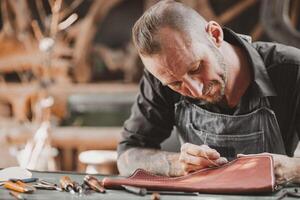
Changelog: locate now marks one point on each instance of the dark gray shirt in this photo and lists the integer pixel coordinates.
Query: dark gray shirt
(276, 75)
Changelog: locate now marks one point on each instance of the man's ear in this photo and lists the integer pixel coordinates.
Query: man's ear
(215, 32)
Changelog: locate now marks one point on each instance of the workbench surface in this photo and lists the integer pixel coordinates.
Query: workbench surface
(118, 194)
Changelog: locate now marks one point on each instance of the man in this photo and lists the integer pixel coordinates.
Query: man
(224, 95)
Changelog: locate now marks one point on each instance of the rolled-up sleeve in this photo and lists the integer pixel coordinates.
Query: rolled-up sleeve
(152, 116)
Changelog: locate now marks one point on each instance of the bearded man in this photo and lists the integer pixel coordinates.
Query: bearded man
(224, 95)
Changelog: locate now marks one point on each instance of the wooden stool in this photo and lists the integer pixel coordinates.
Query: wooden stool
(99, 161)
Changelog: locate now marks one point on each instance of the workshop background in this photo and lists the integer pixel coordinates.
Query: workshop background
(69, 73)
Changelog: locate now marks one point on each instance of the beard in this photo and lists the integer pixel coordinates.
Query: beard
(218, 86)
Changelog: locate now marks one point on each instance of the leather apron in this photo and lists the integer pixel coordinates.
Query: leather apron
(254, 132)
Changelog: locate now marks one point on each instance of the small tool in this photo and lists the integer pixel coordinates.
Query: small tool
(164, 192)
(13, 186)
(286, 193)
(26, 180)
(77, 187)
(28, 187)
(86, 189)
(67, 184)
(212, 162)
(19, 187)
(17, 195)
(135, 190)
(155, 196)
(93, 183)
(42, 184)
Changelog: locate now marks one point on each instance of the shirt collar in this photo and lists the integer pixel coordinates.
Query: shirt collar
(261, 85)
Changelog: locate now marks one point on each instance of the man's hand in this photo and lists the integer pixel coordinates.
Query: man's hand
(195, 157)
(286, 169)
(192, 157)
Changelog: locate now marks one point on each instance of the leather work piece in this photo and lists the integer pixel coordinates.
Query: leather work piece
(244, 175)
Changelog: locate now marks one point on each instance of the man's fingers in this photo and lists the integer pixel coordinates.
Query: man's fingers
(203, 163)
(197, 160)
(218, 162)
(194, 160)
(191, 168)
(202, 151)
(221, 161)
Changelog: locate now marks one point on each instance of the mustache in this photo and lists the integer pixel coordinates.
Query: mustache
(208, 87)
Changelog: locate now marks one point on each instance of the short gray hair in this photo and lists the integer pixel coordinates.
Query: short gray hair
(165, 13)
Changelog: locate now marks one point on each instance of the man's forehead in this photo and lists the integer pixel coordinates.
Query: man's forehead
(174, 59)
(171, 39)
(157, 66)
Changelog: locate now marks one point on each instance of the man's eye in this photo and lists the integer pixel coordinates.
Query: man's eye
(197, 70)
(176, 85)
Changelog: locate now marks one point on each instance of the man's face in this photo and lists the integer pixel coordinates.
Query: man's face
(190, 67)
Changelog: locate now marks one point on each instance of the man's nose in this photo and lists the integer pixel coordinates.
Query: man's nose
(194, 86)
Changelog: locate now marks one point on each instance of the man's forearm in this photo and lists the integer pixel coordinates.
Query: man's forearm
(155, 161)
(297, 170)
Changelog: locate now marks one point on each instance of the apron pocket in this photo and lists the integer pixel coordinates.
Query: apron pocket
(228, 145)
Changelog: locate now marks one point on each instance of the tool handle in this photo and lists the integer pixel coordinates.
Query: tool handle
(77, 187)
(94, 184)
(16, 195)
(66, 182)
(14, 186)
(28, 187)
(26, 180)
(135, 190)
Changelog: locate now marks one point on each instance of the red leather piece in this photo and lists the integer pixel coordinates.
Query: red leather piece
(245, 175)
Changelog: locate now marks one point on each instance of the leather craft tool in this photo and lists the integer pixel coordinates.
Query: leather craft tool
(286, 193)
(163, 192)
(77, 187)
(67, 184)
(94, 184)
(155, 196)
(28, 187)
(26, 180)
(19, 187)
(135, 190)
(16, 195)
(42, 184)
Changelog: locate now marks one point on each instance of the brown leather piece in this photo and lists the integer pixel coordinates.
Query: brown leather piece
(248, 174)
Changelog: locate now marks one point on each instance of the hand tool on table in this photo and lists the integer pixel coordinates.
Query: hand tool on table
(42, 184)
(77, 187)
(94, 184)
(17, 195)
(29, 187)
(135, 190)
(143, 191)
(19, 186)
(26, 180)
(155, 196)
(164, 192)
(67, 184)
(286, 193)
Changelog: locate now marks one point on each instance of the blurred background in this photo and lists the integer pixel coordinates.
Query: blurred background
(69, 73)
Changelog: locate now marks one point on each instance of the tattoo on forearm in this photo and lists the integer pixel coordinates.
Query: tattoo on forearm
(155, 161)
